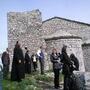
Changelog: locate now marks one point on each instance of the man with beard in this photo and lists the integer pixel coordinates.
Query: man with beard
(18, 69)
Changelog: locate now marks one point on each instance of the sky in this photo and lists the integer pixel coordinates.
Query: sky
(78, 10)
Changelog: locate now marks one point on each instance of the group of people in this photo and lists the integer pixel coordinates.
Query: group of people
(22, 64)
(30, 61)
(67, 64)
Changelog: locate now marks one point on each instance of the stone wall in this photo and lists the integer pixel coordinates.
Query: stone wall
(73, 46)
(52, 25)
(24, 27)
(55, 24)
(28, 29)
(86, 53)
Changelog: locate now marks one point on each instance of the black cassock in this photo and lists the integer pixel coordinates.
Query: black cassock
(66, 69)
(18, 67)
(27, 63)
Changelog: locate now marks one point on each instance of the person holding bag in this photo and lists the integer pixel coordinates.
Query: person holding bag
(54, 57)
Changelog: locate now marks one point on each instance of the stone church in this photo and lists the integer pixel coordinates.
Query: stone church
(29, 29)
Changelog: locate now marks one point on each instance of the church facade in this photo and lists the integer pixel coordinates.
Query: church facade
(29, 29)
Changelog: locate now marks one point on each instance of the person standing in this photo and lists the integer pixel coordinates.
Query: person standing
(75, 82)
(34, 60)
(27, 62)
(75, 61)
(18, 69)
(66, 67)
(40, 55)
(6, 62)
(54, 57)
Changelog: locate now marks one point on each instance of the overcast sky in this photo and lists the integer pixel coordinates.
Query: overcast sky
(78, 10)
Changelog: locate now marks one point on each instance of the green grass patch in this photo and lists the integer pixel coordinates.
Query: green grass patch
(30, 82)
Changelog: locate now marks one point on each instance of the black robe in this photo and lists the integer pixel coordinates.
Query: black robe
(66, 63)
(18, 67)
(27, 63)
(66, 69)
(75, 61)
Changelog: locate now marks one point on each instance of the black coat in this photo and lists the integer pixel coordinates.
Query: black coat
(54, 59)
(5, 59)
(27, 63)
(66, 63)
(75, 61)
(18, 67)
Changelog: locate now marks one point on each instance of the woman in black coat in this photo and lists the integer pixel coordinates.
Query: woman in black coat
(56, 67)
(18, 69)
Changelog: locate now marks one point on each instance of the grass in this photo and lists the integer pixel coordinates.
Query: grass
(30, 82)
(26, 84)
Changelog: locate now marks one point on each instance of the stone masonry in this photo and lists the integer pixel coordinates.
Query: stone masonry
(73, 43)
(29, 29)
(24, 27)
(86, 54)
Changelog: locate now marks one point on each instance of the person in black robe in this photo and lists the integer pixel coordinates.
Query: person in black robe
(66, 67)
(75, 66)
(27, 62)
(75, 61)
(18, 67)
